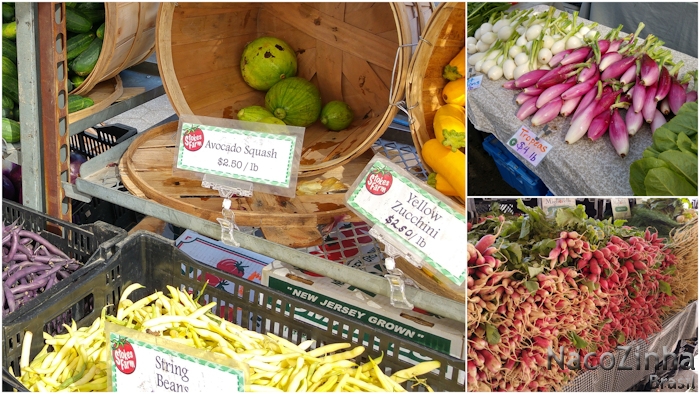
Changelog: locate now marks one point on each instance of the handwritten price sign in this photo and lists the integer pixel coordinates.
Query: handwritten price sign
(529, 146)
(474, 82)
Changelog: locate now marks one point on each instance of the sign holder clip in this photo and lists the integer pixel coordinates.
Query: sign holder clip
(397, 283)
(228, 188)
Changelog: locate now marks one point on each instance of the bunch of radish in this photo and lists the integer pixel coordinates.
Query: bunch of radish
(593, 292)
(594, 82)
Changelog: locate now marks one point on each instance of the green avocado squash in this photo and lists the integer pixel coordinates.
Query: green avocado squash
(266, 61)
(253, 113)
(296, 101)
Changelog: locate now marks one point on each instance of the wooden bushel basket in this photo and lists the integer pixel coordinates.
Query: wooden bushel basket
(443, 39)
(349, 50)
(129, 40)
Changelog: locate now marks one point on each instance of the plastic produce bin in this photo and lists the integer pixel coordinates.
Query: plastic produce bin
(512, 170)
(78, 242)
(155, 262)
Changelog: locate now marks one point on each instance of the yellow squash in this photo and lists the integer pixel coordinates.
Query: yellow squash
(449, 130)
(456, 68)
(451, 165)
(454, 92)
(440, 184)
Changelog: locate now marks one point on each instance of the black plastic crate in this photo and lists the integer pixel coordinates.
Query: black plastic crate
(106, 138)
(105, 211)
(78, 242)
(155, 262)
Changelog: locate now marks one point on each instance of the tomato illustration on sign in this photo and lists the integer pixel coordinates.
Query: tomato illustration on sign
(193, 138)
(232, 267)
(214, 281)
(379, 181)
(124, 355)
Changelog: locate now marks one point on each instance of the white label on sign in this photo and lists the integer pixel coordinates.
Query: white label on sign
(418, 220)
(143, 367)
(241, 154)
(620, 208)
(550, 204)
(474, 82)
(529, 146)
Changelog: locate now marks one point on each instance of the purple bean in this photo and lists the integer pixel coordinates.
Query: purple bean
(23, 249)
(63, 274)
(9, 297)
(40, 240)
(6, 238)
(25, 241)
(41, 250)
(26, 271)
(13, 246)
(54, 279)
(31, 286)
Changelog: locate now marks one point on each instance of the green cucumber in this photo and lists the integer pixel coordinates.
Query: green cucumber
(101, 31)
(9, 113)
(77, 103)
(83, 6)
(76, 21)
(7, 103)
(10, 130)
(9, 67)
(95, 17)
(77, 80)
(10, 87)
(69, 85)
(85, 62)
(78, 44)
(9, 49)
(9, 30)
(8, 12)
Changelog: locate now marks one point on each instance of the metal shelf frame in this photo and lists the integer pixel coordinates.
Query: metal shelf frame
(30, 152)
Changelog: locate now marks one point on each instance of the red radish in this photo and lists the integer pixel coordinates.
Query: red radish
(586, 100)
(569, 106)
(649, 72)
(577, 56)
(510, 85)
(603, 46)
(522, 97)
(629, 75)
(618, 68)
(634, 121)
(638, 97)
(691, 96)
(664, 84)
(528, 108)
(556, 59)
(587, 73)
(530, 78)
(599, 125)
(553, 92)
(579, 126)
(532, 91)
(580, 89)
(649, 104)
(618, 134)
(548, 112)
(555, 76)
(676, 96)
(609, 58)
(659, 120)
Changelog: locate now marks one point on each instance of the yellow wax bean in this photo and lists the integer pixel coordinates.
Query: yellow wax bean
(327, 385)
(344, 355)
(416, 370)
(341, 383)
(295, 381)
(330, 348)
(140, 304)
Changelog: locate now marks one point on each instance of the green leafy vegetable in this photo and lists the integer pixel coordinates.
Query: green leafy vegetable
(493, 337)
(669, 167)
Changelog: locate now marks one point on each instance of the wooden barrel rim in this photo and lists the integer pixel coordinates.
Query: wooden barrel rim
(243, 218)
(420, 130)
(175, 91)
(97, 75)
(102, 104)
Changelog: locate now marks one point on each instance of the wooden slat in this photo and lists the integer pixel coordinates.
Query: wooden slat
(207, 56)
(217, 24)
(329, 71)
(299, 237)
(372, 20)
(147, 170)
(364, 79)
(338, 33)
(104, 94)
